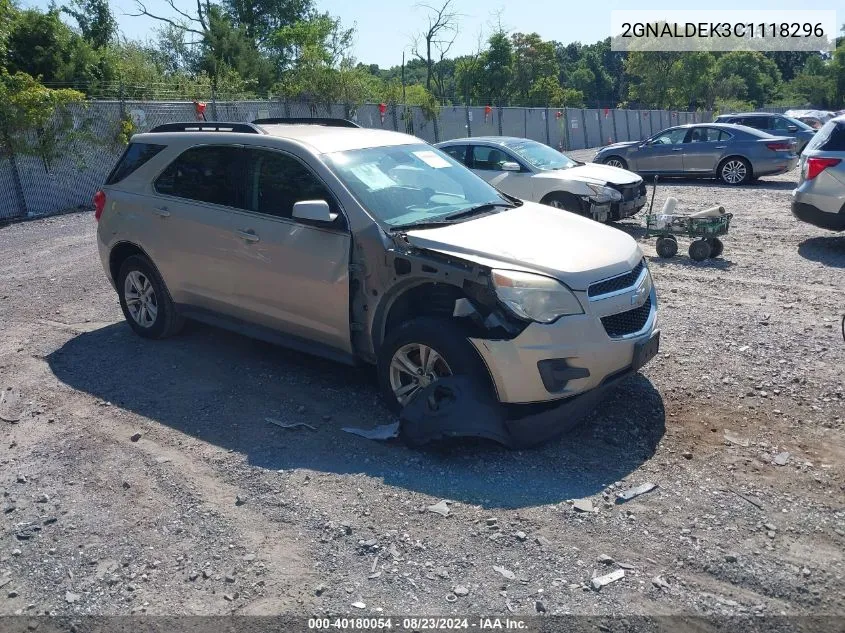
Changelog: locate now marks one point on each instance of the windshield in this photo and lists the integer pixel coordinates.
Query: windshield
(799, 124)
(402, 185)
(540, 156)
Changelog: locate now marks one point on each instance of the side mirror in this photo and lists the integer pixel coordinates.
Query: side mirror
(792, 128)
(510, 166)
(314, 210)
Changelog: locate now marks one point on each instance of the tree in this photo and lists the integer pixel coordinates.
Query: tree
(650, 74)
(436, 39)
(533, 60)
(497, 69)
(691, 76)
(760, 74)
(35, 120)
(95, 20)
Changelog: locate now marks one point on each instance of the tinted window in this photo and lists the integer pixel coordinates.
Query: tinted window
(208, 174)
(707, 135)
(488, 158)
(135, 155)
(458, 152)
(279, 181)
(670, 137)
(759, 122)
(830, 138)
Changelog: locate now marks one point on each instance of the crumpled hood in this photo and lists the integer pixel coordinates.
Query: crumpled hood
(594, 173)
(537, 238)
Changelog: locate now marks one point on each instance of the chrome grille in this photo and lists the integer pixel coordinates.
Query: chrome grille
(624, 323)
(615, 283)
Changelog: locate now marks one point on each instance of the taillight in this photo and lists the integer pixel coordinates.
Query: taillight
(99, 204)
(779, 147)
(815, 166)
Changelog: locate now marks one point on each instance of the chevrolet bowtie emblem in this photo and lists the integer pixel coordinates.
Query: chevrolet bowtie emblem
(640, 294)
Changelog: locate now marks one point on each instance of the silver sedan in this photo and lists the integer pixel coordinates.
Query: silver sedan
(735, 154)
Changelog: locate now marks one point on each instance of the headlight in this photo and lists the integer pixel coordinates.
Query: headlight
(604, 193)
(534, 297)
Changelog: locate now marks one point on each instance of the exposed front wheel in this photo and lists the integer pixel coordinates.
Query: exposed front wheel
(616, 161)
(145, 301)
(421, 351)
(735, 171)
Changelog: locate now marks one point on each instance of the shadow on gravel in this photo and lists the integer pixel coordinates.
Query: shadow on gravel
(829, 251)
(683, 260)
(221, 387)
(775, 185)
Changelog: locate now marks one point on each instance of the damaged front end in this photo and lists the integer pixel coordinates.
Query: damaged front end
(400, 281)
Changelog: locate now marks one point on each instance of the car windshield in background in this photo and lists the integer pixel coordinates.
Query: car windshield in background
(404, 185)
(540, 156)
(799, 124)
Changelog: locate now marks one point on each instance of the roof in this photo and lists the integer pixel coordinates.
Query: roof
(487, 139)
(321, 138)
(749, 114)
(327, 139)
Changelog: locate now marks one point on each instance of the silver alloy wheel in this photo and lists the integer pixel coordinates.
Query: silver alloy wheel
(734, 171)
(140, 298)
(414, 367)
(615, 162)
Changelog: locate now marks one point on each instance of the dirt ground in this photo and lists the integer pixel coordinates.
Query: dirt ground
(210, 509)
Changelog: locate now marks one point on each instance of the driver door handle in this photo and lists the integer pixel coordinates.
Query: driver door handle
(249, 236)
(721, 146)
(163, 212)
(677, 149)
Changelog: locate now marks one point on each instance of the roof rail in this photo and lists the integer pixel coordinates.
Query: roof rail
(327, 121)
(205, 126)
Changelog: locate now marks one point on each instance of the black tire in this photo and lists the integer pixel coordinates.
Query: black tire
(735, 170)
(667, 247)
(167, 321)
(445, 336)
(565, 202)
(623, 164)
(699, 250)
(716, 247)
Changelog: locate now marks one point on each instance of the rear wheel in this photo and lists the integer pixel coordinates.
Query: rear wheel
(699, 250)
(716, 247)
(421, 351)
(735, 171)
(616, 161)
(145, 301)
(667, 247)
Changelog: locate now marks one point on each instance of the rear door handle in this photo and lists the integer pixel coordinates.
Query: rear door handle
(162, 211)
(721, 146)
(677, 149)
(249, 236)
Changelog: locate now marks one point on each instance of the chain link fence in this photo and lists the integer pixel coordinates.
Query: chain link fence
(70, 181)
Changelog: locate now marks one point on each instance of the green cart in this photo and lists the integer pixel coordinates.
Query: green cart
(704, 232)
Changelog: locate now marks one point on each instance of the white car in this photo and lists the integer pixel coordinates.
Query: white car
(533, 171)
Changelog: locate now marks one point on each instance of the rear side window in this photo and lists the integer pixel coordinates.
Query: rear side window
(135, 155)
(759, 122)
(211, 173)
(830, 138)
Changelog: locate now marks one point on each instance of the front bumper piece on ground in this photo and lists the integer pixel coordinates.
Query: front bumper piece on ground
(461, 406)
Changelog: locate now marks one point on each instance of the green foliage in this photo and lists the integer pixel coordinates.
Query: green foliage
(95, 20)
(497, 70)
(760, 74)
(35, 120)
(125, 130)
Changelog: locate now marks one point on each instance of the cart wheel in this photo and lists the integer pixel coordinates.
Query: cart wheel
(716, 247)
(699, 250)
(667, 247)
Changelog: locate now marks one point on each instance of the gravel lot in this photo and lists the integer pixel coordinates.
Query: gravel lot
(144, 477)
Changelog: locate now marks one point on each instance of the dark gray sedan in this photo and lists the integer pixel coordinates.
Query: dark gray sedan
(735, 154)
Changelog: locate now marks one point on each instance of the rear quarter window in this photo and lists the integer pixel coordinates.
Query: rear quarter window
(135, 155)
(830, 138)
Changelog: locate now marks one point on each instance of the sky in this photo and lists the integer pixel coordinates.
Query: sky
(385, 28)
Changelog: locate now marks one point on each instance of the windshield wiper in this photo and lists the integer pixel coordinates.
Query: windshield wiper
(421, 224)
(481, 208)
